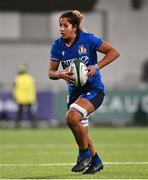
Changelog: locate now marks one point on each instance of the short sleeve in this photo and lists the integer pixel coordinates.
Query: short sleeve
(54, 53)
(95, 42)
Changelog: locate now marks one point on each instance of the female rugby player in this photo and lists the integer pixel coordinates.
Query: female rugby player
(75, 44)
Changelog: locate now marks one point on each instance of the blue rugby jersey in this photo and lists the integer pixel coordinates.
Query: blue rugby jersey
(84, 48)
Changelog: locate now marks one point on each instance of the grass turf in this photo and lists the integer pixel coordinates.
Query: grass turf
(30, 153)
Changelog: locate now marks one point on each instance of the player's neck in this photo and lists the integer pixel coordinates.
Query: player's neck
(68, 42)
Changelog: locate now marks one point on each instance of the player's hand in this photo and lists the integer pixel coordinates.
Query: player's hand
(67, 76)
(91, 70)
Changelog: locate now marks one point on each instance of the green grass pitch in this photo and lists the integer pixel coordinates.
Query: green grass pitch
(50, 153)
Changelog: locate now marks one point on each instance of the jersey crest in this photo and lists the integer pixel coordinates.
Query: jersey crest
(82, 50)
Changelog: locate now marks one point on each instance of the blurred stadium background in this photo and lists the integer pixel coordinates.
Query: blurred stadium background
(27, 29)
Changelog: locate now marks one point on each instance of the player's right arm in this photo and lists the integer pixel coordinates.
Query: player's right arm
(55, 74)
(54, 65)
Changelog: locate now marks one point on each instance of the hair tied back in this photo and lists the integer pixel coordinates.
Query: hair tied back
(78, 14)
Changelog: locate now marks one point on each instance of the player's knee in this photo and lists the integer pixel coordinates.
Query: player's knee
(72, 118)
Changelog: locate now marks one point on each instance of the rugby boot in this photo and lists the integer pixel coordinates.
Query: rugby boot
(81, 164)
(93, 168)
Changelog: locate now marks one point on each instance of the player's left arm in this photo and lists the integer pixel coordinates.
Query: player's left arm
(110, 54)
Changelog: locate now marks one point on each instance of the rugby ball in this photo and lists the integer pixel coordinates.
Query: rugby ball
(79, 70)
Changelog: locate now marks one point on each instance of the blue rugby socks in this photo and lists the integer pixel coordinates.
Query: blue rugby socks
(84, 153)
(95, 159)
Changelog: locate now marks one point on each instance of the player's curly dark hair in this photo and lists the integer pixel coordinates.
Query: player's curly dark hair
(74, 17)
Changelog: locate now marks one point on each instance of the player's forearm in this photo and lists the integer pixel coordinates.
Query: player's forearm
(54, 75)
(108, 58)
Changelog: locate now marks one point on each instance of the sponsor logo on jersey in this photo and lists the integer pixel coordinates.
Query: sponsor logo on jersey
(66, 63)
(82, 50)
(63, 53)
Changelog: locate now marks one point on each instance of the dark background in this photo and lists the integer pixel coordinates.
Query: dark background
(45, 5)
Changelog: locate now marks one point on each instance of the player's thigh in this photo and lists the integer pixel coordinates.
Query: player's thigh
(91, 100)
(86, 104)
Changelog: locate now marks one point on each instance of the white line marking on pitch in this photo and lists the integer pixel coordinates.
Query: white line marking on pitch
(67, 145)
(70, 164)
(81, 179)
